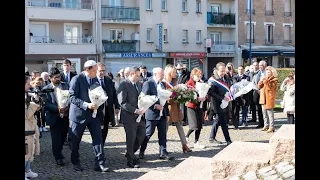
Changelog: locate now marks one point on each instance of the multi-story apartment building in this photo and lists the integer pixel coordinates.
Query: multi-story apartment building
(273, 31)
(57, 29)
(222, 30)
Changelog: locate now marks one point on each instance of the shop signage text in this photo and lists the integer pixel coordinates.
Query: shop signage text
(135, 55)
(194, 54)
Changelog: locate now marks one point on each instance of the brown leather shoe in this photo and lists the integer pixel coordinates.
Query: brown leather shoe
(270, 130)
(265, 128)
(186, 149)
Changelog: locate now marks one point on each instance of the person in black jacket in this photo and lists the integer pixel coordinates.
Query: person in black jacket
(242, 101)
(183, 76)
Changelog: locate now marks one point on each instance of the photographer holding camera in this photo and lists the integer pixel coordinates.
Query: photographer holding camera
(31, 130)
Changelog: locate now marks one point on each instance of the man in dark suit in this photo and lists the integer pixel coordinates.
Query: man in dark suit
(217, 93)
(129, 91)
(108, 86)
(80, 114)
(183, 76)
(153, 118)
(58, 126)
(242, 101)
(255, 77)
(144, 76)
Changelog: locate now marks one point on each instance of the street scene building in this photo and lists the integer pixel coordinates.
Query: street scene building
(273, 32)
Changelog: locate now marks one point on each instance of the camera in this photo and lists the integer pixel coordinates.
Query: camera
(41, 93)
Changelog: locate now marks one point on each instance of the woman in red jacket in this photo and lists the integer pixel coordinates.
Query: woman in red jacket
(194, 112)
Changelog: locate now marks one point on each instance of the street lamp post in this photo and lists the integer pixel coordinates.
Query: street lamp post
(250, 37)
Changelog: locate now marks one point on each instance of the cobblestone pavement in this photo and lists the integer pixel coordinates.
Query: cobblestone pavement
(46, 167)
(284, 170)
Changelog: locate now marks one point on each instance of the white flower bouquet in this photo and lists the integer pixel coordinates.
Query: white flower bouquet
(63, 99)
(164, 96)
(97, 96)
(145, 102)
(243, 87)
(202, 89)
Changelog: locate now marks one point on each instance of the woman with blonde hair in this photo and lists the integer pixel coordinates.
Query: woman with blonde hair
(268, 88)
(174, 107)
(194, 112)
(288, 102)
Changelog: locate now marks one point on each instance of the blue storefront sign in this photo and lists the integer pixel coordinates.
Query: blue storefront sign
(160, 37)
(135, 55)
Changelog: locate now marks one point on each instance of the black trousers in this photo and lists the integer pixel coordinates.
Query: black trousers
(221, 120)
(290, 118)
(94, 126)
(135, 134)
(235, 111)
(185, 116)
(41, 122)
(58, 135)
(105, 129)
(254, 113)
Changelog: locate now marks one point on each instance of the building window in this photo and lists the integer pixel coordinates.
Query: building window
(287, 33)
(269, 8)
(165, 35)
(248, 7)
(185, 36)
(215, 37)
(198, 6)
(114, 2)
(215, 8)
(287, 8)
(163, 5)
(116, 34)
(148, 4)
(198, 38)
(248, 32)
(286, 62)
(184, 5)
(149, 31)
(269, 33)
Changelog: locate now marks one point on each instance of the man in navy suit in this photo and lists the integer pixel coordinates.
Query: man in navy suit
(153, 118)
(58, 126)
(144, 76)
(80, 114)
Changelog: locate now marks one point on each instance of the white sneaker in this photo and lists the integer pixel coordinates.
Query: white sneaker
(44, 129)
(31, 174)
(198, 146)
(41, 129)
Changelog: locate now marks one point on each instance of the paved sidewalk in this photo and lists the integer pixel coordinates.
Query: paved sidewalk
(46, 167)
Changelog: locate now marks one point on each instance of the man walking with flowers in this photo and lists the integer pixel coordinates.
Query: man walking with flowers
(56, 116)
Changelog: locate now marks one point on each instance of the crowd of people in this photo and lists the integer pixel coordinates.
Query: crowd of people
(68, 124)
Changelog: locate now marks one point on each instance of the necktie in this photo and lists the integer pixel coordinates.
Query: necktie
(102, 83)
(135, 86)
(91, 81)
(67, 78)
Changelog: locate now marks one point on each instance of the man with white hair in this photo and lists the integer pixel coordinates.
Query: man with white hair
(126, 72)
(153, 117)
(45, 77)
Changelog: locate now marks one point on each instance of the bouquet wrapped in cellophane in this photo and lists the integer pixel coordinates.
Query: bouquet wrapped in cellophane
(63, 99)
(163, 96)
(203, 89)
(145, 102)
(97, 96)
(243, 87)
(182, 94)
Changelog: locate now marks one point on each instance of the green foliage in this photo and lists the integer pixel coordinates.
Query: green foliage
(282, 74)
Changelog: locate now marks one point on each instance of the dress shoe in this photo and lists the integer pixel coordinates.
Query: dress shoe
(130, 165)
(141, 155)
(214, 141)
(136, 161)
(229, 142)
(78, 167)
(166, 157)
(186, 149)
(102, 168)
(270, 130)
(264, 128)
(60, 162)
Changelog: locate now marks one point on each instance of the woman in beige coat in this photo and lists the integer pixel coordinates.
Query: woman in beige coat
(288, 102)
(30, 125)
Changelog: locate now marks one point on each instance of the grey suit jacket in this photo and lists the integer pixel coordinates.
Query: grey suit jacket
(79, 93)
(51, 105)
(128, 100)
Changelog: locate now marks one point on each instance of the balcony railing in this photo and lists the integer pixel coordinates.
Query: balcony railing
(269, 13)
(221, 18)
(287, 14)
(120, 13)
(268, 41)
(287, 41)
(119, 47)
(60, 4)
(252, 10)
(64, 40)
(223, 46)
(248, 40)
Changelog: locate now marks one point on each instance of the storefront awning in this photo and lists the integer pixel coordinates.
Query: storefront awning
(287, 53)
(258, 53)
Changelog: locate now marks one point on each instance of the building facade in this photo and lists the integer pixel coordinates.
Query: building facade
(59, 29)
(272, 32)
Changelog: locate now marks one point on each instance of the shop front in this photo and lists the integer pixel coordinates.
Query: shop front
(191, 59)
(116, 61)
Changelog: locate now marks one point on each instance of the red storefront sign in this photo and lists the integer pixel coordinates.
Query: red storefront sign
(195, 54)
